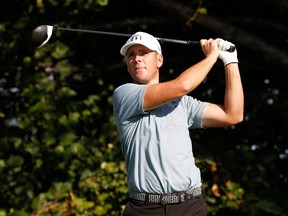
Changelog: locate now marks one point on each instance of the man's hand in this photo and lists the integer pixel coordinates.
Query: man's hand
(225, 56)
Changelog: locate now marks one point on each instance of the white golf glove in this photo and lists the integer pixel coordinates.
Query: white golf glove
(226, 56)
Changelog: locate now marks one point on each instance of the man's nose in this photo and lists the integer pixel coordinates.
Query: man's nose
(138, 58)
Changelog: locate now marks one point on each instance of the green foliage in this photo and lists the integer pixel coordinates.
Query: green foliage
(64, 159)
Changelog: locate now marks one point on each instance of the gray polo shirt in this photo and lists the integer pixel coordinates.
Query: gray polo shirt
(156, 144)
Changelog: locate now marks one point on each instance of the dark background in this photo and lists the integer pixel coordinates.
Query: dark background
(58, 140)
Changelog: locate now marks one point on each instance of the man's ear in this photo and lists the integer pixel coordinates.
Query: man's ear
(160, 60)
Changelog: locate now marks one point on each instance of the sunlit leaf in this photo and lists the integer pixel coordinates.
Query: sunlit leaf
(67, 138)
(66, 92)
(15, 160)
(202, 10)
(103, 2)
(60, 51)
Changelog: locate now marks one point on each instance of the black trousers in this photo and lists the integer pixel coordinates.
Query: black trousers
(194, 207)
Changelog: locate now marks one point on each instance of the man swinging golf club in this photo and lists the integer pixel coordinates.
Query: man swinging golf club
(42, 34)
(153, 119)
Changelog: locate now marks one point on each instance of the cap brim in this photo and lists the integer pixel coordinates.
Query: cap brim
(127, 46)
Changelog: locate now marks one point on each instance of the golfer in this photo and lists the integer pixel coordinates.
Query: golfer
(153, 119)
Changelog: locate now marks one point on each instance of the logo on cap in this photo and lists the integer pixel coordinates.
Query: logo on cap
(136, 38)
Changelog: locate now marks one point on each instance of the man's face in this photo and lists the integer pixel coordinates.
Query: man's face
(143, 64)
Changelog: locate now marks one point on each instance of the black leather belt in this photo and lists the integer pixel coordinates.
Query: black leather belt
(165, 199)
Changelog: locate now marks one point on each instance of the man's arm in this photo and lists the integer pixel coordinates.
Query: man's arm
(161, 93)
(232, 111)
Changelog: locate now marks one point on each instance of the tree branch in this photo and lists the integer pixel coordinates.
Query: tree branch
(266, 50)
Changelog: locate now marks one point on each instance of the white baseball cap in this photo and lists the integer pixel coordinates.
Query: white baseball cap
(143, 38)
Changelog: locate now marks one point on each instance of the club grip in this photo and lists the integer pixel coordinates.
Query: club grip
(231, 49)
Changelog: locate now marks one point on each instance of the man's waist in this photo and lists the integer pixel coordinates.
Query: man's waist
(169, 198)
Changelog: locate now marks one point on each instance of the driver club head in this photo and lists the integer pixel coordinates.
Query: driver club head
(41, 35)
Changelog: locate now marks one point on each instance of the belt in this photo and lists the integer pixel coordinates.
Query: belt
(165, 199)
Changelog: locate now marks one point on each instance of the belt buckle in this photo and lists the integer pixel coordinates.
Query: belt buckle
(162, 199)
(182, 197)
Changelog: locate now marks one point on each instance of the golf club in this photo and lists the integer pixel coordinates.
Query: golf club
(42, 34)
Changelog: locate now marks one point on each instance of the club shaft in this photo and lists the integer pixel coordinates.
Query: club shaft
(92, 31)
(125, 35)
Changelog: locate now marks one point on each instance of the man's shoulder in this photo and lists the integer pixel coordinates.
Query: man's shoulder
(127, 87)
(128, 90)
(124, 85)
